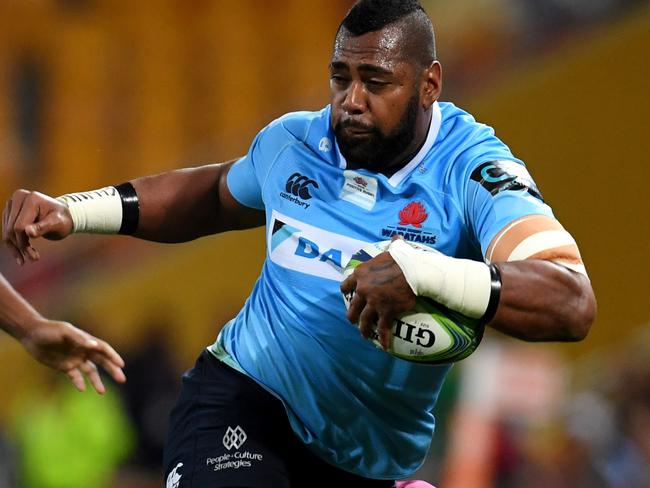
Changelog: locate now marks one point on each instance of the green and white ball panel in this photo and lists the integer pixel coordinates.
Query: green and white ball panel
(429, 333)
(432, 334)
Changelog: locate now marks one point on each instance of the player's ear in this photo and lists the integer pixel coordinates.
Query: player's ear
(431, 84)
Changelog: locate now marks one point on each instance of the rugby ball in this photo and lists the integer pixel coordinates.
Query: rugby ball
(429, 333)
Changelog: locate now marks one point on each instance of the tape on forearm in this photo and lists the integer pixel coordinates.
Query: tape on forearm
(549, 242)
(110, 210)
(470, 287)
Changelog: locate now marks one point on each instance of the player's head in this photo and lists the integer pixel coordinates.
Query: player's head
(384, 78)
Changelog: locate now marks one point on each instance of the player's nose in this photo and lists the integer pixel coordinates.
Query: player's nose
(354, 102)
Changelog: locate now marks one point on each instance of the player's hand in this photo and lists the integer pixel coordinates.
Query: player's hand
(72, 351)
(380, 293)
(28, 215)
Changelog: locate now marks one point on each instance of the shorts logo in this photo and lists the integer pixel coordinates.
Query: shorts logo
(234, 438)
(298, 185)
(174, 478)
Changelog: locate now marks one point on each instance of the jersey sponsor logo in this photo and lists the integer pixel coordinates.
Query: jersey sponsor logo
(234, 439)
(301, 247)
(174, 477)
(410, 225)
(359, 189)
(297, 189)
(499, 176)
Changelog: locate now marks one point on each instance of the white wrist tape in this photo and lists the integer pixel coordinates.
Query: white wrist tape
(95, 212)
(462, 285)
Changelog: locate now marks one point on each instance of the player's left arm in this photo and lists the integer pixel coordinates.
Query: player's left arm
(532, 285)
(545, 291)
(535, 288)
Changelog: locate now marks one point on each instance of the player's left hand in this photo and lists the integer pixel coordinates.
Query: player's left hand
(72, 351)
(380, 293)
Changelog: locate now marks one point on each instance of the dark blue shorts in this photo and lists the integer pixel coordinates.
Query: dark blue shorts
(228, 431)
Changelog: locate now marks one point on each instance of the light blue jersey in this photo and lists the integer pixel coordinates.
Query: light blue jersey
(354, 405)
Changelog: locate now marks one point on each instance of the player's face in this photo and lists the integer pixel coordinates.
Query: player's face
(376, 100)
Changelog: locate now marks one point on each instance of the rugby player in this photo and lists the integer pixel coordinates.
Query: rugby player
(290, 391)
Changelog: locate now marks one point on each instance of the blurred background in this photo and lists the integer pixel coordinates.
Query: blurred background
(95, 92)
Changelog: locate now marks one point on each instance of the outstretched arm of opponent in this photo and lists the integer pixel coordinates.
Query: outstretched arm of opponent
(59, 345)
(175, 206)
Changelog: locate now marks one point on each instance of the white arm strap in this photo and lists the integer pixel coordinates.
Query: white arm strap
(545, 241)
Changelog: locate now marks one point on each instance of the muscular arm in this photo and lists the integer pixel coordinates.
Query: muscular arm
(545, 294)
(541, 298)
(182, 205)
(543, 301)
(176, 206)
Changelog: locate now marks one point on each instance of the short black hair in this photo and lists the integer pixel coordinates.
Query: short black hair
(372, 15)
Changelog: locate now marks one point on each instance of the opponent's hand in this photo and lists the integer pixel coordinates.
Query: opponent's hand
(72, 351)
(28, 215)
(380, 293)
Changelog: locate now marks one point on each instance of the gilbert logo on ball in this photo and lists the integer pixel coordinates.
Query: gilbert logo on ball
(429, 333)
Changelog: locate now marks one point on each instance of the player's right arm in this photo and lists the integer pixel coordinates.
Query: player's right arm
(175, 206)
(186, 204)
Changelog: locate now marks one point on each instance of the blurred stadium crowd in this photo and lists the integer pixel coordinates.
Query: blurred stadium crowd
(93, 92)
(535, 421)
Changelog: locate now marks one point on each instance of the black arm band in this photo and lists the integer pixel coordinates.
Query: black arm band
(130, 208)
(495, 294)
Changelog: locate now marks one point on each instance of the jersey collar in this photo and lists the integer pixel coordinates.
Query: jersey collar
(398, 177)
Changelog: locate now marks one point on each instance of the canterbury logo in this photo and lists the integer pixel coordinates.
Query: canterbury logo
(234, 438)
(298, 185)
